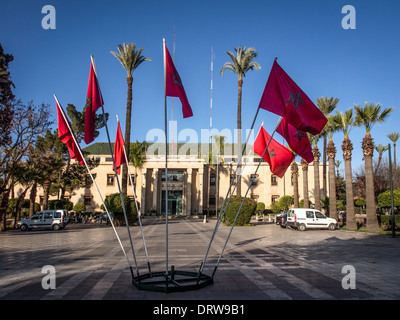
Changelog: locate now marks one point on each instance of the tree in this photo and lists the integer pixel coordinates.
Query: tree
(326, 105)
(29, 122)
(380, 148)
(295, 178)
(6, 99)
(283, 203)
(304, 166)
(130, 58)
(368, 116)
(137, 156)
(216, 161)
(345, 123)
(317, 187)
(331, 152)
(240, 65)
(394, 136)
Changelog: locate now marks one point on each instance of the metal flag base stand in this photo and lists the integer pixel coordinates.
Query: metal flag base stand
(175, 281)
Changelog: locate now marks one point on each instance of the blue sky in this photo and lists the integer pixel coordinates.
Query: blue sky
(355, 66)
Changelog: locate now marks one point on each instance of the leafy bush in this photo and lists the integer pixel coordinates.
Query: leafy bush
(79, 207)
(384, 200)
(386, 222)
(248, 209)
(114, 205)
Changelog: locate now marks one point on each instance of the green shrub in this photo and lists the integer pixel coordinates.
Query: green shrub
(114, 205)
(79, 207)
(386, 222)
(248, 209)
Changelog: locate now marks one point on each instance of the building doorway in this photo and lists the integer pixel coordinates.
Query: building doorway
(174, 202)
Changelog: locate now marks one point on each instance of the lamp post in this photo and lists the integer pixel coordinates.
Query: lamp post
(391, 192)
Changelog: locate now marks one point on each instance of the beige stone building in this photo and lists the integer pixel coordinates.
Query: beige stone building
(192, 183)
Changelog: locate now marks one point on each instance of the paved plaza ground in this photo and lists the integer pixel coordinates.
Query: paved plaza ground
(261, 262)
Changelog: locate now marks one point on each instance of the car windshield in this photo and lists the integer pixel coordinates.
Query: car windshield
(319, 215)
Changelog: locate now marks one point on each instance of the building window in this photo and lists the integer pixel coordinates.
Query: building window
(212, 180)
(212, 200)
(274, 199)
(234, 181)
(253, 179)
(110, 179)
(173, 176)
(88, 201)
(274, 180)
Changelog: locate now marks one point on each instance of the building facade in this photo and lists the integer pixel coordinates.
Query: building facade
(194, 186)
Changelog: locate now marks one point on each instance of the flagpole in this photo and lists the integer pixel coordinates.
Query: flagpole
(137, 208)
(166, 166)
(244, 198)
(116, 176)
(228, 195)
(94, 182)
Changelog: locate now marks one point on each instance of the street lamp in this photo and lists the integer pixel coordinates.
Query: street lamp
(391, 192)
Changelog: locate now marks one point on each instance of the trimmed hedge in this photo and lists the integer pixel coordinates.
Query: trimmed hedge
(248, 209)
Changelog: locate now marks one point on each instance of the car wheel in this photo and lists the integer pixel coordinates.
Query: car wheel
(24, 227)
(302, 227)
(56, 227)
(332, 226)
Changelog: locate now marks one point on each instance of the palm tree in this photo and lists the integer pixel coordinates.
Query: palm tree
(394, 136)
(137, 156)
(316, 154)
(331, 152)
(380, 148)
(219, 141)
(130, 59)
(240, 65)
(295, 178)
(368, 117)
(304, 166)
(326, 105)
(345, 123)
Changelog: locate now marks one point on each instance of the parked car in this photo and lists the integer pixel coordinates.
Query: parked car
(54, 219)
(281, 220)
(304, 218)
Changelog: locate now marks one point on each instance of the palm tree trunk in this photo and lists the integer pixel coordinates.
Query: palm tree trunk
(32, 198)
(317, 188)
(305, 183)
(46, 189)
(124, 183)
(324, 184)
(239, 136)
(295, 176)
(347, 147)
(332, 181)
(368, 149)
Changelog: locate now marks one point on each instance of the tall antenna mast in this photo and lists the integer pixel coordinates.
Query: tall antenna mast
(212, 69)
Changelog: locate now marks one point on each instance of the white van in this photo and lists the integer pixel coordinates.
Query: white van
(54, 219)
(304, 218)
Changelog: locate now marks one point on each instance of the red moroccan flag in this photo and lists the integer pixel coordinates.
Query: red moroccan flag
(278, 156)
(65, 135)
(285, 98)
(119, 155)
(173, 84)
(297, 140)
(94, 101)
